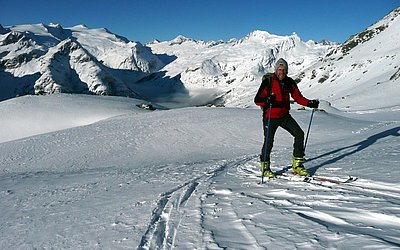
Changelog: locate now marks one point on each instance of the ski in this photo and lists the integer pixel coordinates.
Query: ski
(309, 179)
(315, 179)
(332, 180)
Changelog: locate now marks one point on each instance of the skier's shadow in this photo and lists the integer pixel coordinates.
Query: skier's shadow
(357, 148)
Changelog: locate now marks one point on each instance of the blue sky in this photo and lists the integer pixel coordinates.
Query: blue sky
(146, 20)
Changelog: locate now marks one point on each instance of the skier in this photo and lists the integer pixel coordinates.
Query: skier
(273, 97)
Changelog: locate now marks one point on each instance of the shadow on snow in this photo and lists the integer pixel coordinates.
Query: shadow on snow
(355, 148)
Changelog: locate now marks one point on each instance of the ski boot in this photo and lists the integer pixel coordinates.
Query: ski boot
(266, 170)
(298, 167)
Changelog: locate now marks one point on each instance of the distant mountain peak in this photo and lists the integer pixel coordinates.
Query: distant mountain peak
(257, 35)
(3, 30)
(181, 39)
(55, 25)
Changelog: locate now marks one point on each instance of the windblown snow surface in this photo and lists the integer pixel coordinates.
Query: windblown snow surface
(85, 172)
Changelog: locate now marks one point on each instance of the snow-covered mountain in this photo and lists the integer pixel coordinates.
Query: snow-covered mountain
(234, 69)
(49, 58)
(99, 172)
(356, 71)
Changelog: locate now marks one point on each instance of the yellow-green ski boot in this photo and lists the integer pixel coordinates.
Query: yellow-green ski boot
(266, 170)
(298, 167)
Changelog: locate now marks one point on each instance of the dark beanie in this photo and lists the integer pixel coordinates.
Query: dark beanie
(281, 62)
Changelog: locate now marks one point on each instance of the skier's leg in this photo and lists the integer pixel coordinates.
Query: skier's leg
(295, 130)
(273, 126)
(290, 125)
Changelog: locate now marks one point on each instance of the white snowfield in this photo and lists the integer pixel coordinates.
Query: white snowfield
(85, 172)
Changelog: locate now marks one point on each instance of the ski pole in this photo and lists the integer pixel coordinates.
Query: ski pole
(266, 141)
(308, 130)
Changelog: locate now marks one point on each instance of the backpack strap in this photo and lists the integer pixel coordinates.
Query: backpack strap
(269, 85)
(266, 83)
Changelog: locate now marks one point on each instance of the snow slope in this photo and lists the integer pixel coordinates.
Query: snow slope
(364, 72)
(117, 177)
(31, 115)
(96, 172)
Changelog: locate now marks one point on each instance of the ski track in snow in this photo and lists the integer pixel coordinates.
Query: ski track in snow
(170, 209)
(344, 209)
(97, 186)
(204, 212)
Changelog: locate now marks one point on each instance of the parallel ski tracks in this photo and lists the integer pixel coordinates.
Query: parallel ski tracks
(160, 232)
(166, 216)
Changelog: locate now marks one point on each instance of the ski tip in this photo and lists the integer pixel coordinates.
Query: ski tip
(352, 178)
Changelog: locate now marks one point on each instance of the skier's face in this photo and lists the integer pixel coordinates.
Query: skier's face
(281, 72)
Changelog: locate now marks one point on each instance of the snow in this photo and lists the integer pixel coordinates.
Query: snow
(370, 67)
(98, 172)
(95, 172)
(235, 68)
(41, 58)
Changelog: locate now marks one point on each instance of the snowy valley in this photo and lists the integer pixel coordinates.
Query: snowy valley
(85, 171)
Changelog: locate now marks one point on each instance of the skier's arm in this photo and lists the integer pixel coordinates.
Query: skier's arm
(262, 94)
(297, 96)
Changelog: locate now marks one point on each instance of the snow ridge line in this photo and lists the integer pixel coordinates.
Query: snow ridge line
(188, 193)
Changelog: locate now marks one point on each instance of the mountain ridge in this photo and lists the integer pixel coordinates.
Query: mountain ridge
(210, 72)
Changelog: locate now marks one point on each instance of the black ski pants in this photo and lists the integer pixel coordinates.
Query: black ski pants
(289, 124)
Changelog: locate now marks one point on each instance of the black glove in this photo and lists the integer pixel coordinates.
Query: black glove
(313, 104)
(270, 99)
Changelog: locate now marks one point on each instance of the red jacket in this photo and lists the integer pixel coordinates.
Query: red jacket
(281, 89)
